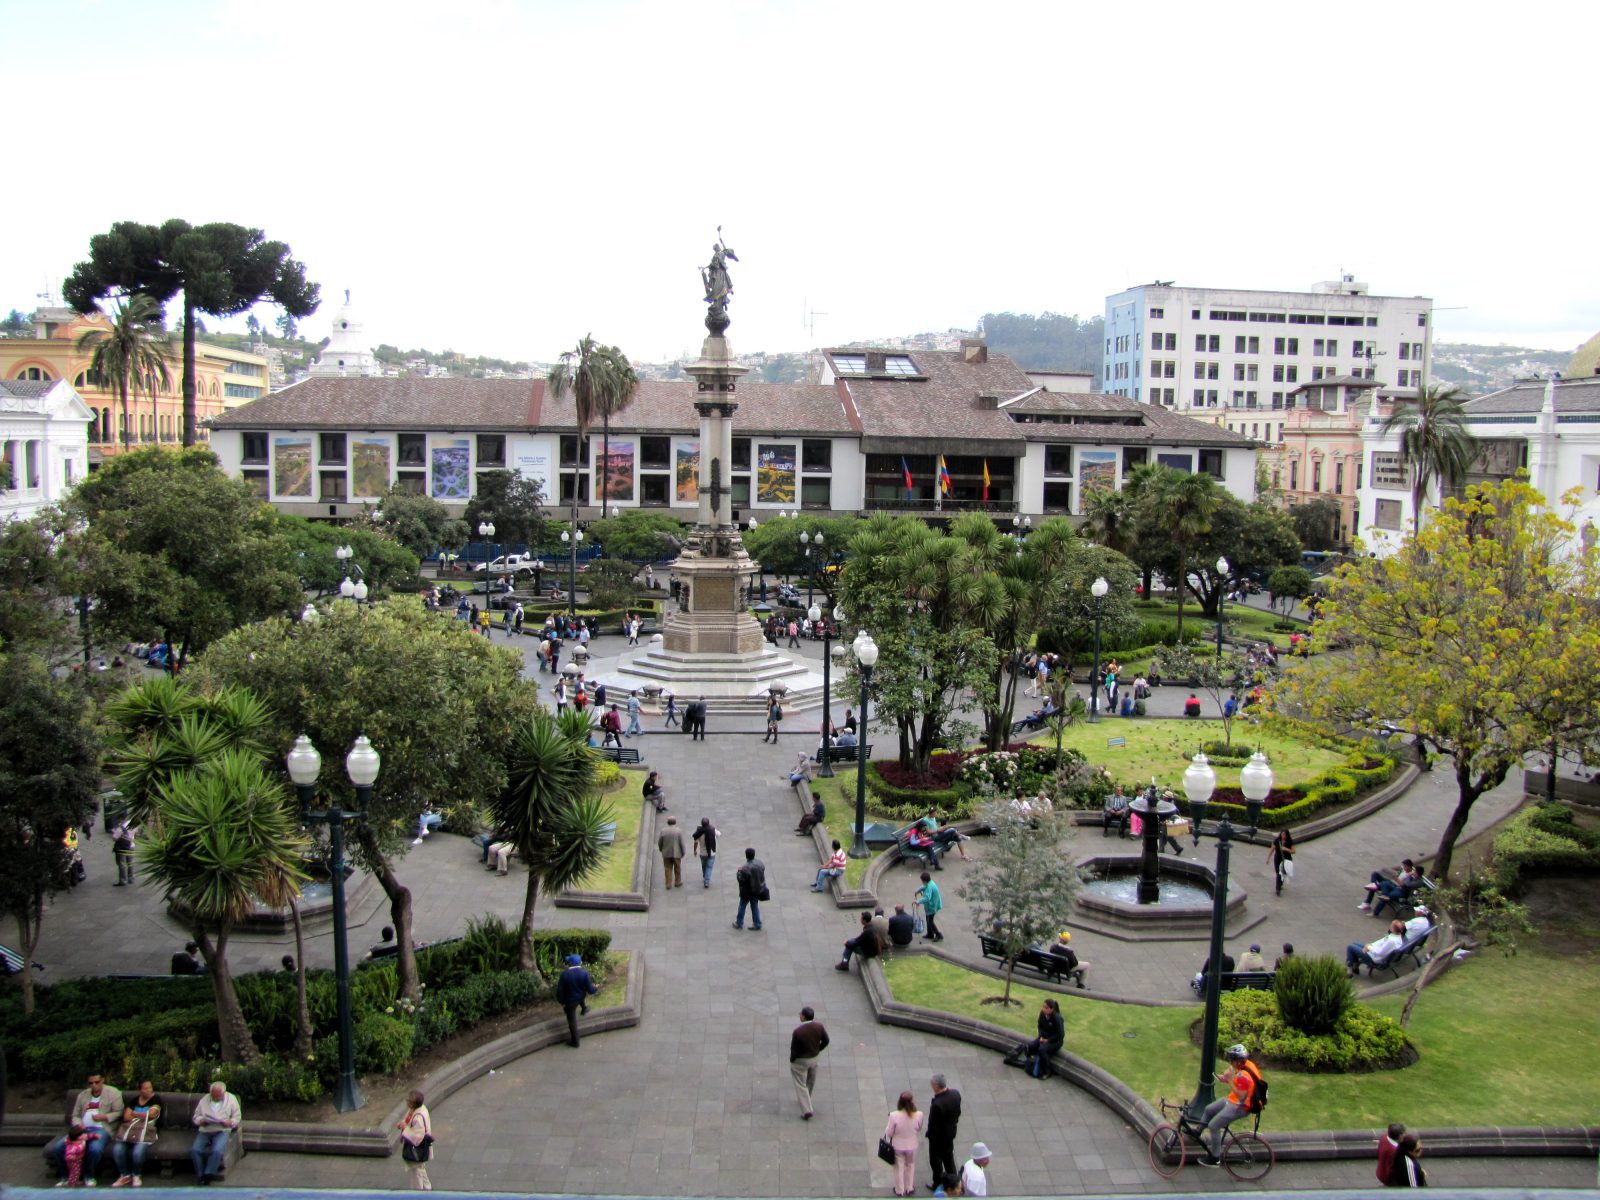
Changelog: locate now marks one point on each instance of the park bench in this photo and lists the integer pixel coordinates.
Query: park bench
(619, 754)
(1411, 948)
(1259, 981)
(1030, 721)
(927, 855)
(174, 1133)
(392, 949)
(842, 754)
(1051, 966)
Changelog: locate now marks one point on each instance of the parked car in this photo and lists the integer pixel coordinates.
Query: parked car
(520, 565)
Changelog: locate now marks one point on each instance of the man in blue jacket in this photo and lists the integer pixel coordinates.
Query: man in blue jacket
(573, 990)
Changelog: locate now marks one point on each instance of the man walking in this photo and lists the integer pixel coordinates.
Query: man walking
(808, 1041)
(705, 846)
(752, 878)
(700, 720)
(974, 1172)
(573, 989)
(671, 845)
(633, 715)
(944, 1115)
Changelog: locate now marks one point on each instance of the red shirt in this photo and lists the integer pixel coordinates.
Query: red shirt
(1387, 1148)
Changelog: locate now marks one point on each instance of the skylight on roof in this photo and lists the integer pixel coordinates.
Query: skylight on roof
(850, 364)
(876, 364)
(899, 364)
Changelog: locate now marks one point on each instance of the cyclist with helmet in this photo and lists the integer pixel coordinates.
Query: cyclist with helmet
(1242, 1078)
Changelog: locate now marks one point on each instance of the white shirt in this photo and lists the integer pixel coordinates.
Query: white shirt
(1416, 926)
(973, 1180)
(1385, 945)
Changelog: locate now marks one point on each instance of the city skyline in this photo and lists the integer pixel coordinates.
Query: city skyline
(880, 171)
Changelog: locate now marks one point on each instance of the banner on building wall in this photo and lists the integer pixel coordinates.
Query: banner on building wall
(1097, 471)
(291, 466)
(615, 464)
(688, 472)
(369, 467)
(775, 473)
(534, 458)
(1178, 462)
(452, 469)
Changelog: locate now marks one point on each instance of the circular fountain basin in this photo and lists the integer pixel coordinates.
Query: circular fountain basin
(1108, 901)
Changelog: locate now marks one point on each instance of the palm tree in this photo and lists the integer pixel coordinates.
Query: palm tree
(1434, 442)
(602, 382)
(1110, 517)
(1185, 503)
(550, 812)
(222, 837)
(130, 354)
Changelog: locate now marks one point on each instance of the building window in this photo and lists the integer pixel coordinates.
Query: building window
(1238, 372)
(259, 483)
(1157, 314)
(1171, 342)
(1134, 456)
(816, 454)
(1199, 397)
(1208, 344)
(413, 449)
(1058, 460)
(1250, 399)
(572, 454)
(1338, 477)
(1194, 314)
(1255, 429)
(331, 448)
(1358, 474)
(333, 486)
(1058, 497)
(1238, 398)
(413, 483)
(655, 452)
(1294, 476)
(255, 447)
(1211, 463)
(37, 374)
(654, 490)
(741, 454)
(1316, 475)
(1386, 515)
(491, 450)
(816, 493)
(739, 492)
(1405, 351)
(1211, 397)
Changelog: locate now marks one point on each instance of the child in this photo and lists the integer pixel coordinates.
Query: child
(72, 1152)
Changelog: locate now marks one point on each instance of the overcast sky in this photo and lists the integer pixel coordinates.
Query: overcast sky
(502, 178)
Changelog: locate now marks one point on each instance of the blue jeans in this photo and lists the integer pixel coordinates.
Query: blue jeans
(99, 1139)
(633, 726)
(706, 864)
(427, 821)
(1355, 955)
(210, 1145)
(822, 877)
(755, 913)
(130, 1157)
(1218, 1116)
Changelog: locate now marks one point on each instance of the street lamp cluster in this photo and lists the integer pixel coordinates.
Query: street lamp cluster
(361, 765)
(351, 589)
(816, 614)
(1098, 590)
(866, 654)
(574, 538)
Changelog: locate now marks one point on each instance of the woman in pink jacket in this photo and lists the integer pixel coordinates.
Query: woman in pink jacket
(904, 1133)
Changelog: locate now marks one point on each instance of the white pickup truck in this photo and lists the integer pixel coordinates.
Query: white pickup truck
(519, 565)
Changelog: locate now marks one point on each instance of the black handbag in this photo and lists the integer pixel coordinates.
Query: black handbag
(885, 1150)
(766, 894)
(421, 1152)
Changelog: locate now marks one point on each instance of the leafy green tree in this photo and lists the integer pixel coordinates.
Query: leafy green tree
(221, 837)
(1255, 539)
(1475, 637)
(416, 521)
(49, 777)
(776, 545)
(1050, 341)
(909, 586)
(638, 536)
(513, 503)
(17, 324)
(1071, 616)
(220, 268)
(288, 328)
(1184, 505)
(1021, 889)
(1110, 518)
(129, 355)
(34, 586)
(1219, 678)
(1434, 442)
(549, 810)
(439, 704)
(1314, 524)
(382, 560)
(609, 582)
(172, 548)
(1287, 585)
(602, 383)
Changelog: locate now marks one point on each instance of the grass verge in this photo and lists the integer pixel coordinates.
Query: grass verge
(616, 869)
(1474, 1069)
(1162, 748)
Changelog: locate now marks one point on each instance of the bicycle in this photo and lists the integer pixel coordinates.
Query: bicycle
(1247, 1155)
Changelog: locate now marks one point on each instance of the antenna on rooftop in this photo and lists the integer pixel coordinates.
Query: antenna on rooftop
(808, 318)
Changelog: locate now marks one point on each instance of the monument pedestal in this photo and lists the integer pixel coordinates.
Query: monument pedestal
(715, 624)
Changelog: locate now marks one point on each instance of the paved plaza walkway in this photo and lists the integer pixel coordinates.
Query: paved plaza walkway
(696, 1100)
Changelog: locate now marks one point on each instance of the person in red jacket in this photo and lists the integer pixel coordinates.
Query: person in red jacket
(1387, 1145)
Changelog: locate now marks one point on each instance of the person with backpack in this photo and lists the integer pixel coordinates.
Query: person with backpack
(1247, 1093)
(122, 850)
(774, 715)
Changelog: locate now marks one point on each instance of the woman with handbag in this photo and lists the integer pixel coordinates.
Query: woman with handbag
(141, 1113)
(904, 1134)
(1282, 856)
(416, 1141)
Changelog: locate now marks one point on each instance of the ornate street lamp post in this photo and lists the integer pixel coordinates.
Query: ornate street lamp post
(1098, 590)
(815, 613)
(1222, 599)
(575, 539)
(866, 652)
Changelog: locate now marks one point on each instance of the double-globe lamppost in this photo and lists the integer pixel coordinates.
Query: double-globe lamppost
(866, 653)
(361, 765)
(815, 613)
(486, 532)
(574, 538)
(1098, 590)
(1222, 599)
(752, 525)
(808, 540)
(1199, 781)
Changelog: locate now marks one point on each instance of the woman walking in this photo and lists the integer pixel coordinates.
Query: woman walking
(1282, 856)
(1405, 1170)
(904, 1133)
(928, 896)
(774, 715)
(416, 1137)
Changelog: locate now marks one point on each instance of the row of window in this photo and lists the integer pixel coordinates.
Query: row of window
(84, 383)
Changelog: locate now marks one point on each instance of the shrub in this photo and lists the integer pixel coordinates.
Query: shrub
(991, 774)
(76, 1003)
(1543, 838)
(1364, 1040)
(74, 1053)
(1313, 993)
(276, 1077)
(381, 1043)
(607, 775)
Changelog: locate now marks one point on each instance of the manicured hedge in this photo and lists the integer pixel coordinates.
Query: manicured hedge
(75, 1053)
(1364, 1040)
(1544, 838)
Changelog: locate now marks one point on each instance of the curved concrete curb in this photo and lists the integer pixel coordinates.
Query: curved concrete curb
(637, 900)
(1484, 1141)
(893, 857)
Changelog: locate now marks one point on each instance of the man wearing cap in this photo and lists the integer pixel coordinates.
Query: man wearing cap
(1420, 922)
(573, 990)
(1251, 959)
(974, 1176)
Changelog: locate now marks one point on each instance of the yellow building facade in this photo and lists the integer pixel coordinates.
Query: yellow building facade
(224, 379)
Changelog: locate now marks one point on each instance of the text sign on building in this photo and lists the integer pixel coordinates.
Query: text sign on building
(533, 458)
(1389, 471)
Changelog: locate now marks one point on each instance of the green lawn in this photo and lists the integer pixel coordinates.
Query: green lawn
(1163, 748)
(615, 990)
(616, 870)
(1253, 623)
(1503, 1042)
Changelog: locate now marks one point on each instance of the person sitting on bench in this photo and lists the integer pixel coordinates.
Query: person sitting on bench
(816, 816)
(1071, 964)
(1115, 813)
(846, 739)
(834, 867)
(1382, 890)
(864, 945)
(944, 836)
(920, 839)
(1251, 960)
(1356, 955)
(1198, 983)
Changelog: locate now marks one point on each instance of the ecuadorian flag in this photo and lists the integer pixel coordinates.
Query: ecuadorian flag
(986, 479)
(906, 471)
(944, 477)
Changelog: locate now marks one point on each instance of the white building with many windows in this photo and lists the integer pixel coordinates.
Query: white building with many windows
(44, 444)
(1236, 357)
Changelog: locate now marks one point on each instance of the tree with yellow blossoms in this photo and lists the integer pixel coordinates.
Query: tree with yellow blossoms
(1481, 637)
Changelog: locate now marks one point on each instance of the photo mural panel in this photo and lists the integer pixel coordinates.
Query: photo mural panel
(616, 463)
(291, 466)
(688, 471)
(775, 473)
(452, 469)
(1097, 471)
(369, 467)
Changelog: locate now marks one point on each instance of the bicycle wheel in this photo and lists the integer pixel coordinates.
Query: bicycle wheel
(1247, 1156)
(1167, 1151)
